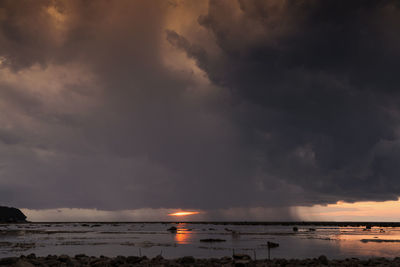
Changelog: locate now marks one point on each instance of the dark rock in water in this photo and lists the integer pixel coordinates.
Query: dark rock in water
(272, 245)
(11, 215)
(172, 229)
(295, 229)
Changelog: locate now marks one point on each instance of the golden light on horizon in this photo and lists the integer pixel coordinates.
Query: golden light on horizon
(183, 213)
(357, 211)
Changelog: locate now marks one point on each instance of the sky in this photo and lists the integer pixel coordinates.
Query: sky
(239, 110)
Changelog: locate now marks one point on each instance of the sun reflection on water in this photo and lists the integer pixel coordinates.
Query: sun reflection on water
(183, 235)
(378, 241)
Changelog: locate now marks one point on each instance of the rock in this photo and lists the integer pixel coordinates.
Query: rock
(78, 256)
(172, 229)
(117, 261)
(31, 256)
(23, 263)
(63, 258)
(97, 262)
(241, 257)
(102, 263)
(82, 258)
(133, 259)
(323, 259)
(11, 215)
(272, 245)
(225, 260)
(52, 262)
(281, 262)
(8, 260)
(295, 229)
(187, 260)
(158, 259)
(35, 262)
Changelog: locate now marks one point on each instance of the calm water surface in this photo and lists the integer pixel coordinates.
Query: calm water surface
(152, 239)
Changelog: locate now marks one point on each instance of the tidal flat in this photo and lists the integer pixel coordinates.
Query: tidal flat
(201, 240)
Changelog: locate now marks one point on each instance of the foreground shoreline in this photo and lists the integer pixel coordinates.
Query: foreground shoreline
(238, 260)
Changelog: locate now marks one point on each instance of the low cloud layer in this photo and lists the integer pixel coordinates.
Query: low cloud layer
(219, 105)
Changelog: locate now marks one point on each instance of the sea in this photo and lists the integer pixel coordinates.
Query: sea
(201, 240)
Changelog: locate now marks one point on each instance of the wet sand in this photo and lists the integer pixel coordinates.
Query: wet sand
(237, 260)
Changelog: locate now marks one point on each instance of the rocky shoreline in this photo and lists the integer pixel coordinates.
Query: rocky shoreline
(238, 260)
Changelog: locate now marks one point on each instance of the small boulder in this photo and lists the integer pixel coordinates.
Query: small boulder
(64, 258)
(31, 256)
(172, 229)
(272, 245)
(133, 259)
(323, 260)
(187, 260)
(8, 260)
(23, 263)
(241, 257)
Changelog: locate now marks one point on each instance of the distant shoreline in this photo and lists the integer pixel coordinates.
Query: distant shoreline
(283, 223)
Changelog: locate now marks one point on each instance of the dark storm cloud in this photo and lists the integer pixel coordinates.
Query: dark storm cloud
(316, 87)
(302, 107)
(103, 123)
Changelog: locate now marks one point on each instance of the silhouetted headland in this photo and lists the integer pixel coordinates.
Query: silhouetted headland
(11, 215)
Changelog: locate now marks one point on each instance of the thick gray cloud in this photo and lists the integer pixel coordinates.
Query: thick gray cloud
(316, 88)
(299, 104)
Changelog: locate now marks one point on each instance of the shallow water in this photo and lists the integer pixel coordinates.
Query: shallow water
(152, 239)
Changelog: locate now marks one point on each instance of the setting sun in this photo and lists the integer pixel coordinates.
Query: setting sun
(184, 213)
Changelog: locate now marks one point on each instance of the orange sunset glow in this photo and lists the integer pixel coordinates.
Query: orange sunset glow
(183, 213)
